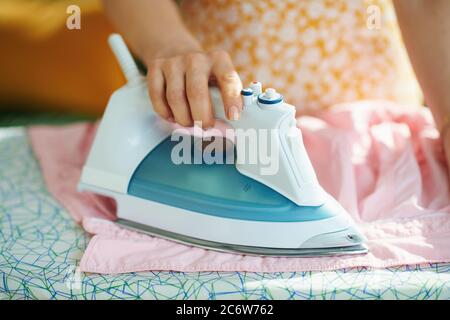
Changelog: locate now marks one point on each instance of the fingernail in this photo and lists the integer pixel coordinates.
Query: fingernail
(233, 113)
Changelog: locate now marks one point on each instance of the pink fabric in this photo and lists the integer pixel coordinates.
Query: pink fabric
(383, 162)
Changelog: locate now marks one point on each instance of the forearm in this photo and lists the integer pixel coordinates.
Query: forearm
(153, 28)
(426, 31)
(178, 71)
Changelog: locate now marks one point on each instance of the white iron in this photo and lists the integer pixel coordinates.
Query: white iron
(247, 207)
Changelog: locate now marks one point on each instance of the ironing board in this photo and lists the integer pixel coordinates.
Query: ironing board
(41, 247)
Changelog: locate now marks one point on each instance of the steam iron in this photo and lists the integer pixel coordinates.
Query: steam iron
(241, 207)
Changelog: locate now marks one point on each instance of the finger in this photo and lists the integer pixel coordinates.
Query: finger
(229, 83)
(157, 91)
(197, 76)
(174, 74)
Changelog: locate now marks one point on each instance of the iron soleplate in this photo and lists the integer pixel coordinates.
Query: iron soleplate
(247, 250)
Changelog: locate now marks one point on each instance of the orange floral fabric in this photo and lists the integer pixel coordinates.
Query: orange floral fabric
(316, 52)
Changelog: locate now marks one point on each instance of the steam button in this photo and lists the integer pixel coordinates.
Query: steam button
(270, 97)
(256, 86)
(270, 93)
(247, 96)
(247, 92)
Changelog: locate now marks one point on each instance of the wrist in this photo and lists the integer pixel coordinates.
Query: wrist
(169, 48)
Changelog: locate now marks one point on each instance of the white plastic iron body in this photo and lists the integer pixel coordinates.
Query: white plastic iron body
(130, 130)
(272, 121)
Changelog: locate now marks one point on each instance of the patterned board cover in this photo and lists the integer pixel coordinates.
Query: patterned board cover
(40, 248)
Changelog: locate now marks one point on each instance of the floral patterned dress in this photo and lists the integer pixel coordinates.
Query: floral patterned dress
(316, 52)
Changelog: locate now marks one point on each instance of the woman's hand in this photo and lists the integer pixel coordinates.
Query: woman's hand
(178, 86)
(178, 69)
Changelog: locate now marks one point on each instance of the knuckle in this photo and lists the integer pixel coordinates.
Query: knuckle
(219, 55)
(229, 77)
(194, 58)
(155, 65)
(153, 87)
(154, 68)
(171, 65)
(175, 97)
(196, 90)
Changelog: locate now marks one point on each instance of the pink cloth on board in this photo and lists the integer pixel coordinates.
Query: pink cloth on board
(383, 162)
